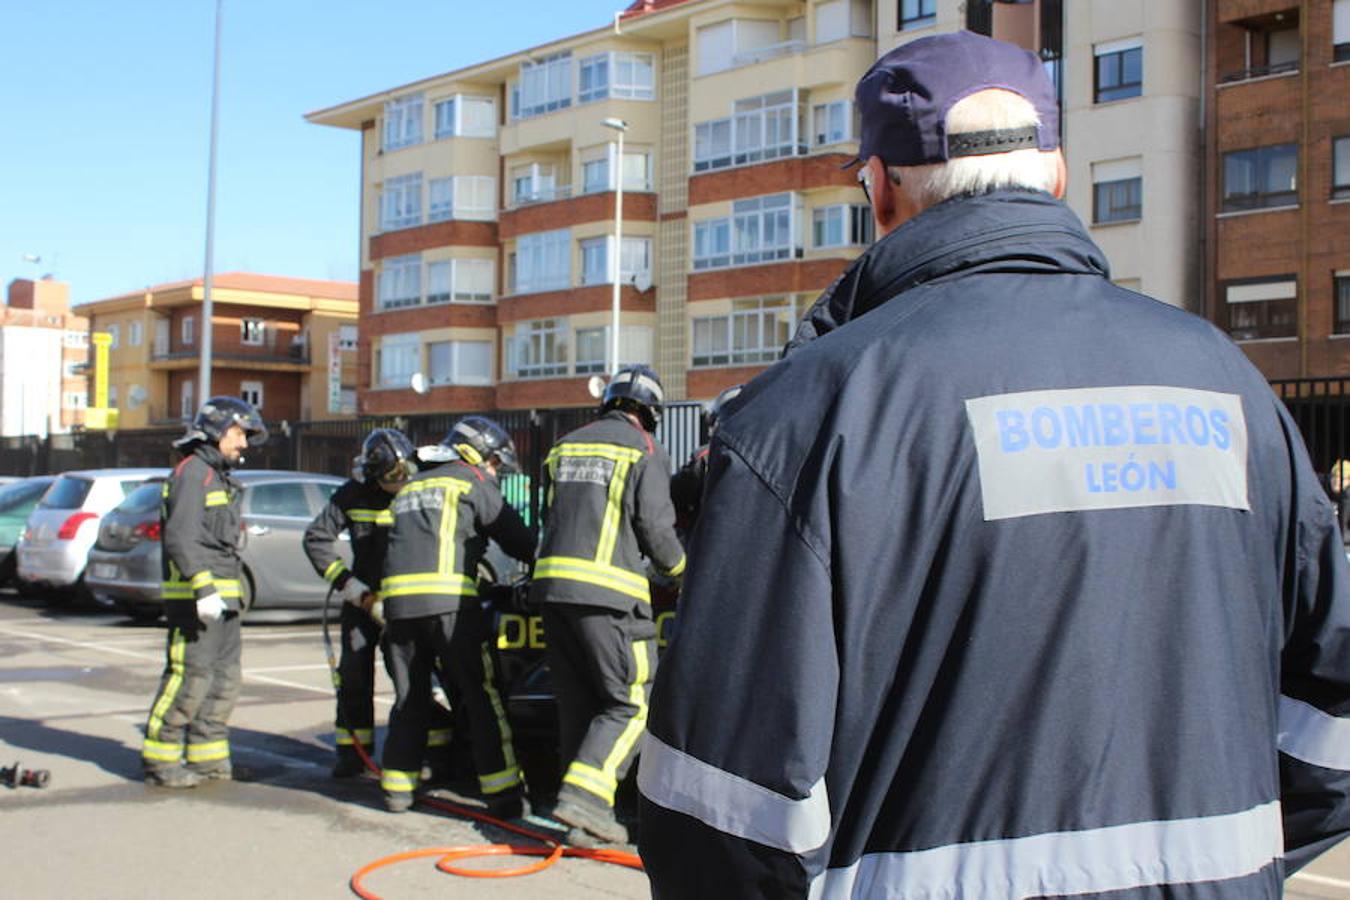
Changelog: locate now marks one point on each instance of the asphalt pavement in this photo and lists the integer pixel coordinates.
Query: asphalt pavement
(75, 685)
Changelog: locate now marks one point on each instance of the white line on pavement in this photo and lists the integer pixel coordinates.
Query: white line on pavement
(306, 667)
(1320, 879)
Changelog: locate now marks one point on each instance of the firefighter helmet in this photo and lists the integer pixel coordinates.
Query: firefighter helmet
(636, 390)
(217, 415)
(477, 439)
(386, 455)
(712, 413)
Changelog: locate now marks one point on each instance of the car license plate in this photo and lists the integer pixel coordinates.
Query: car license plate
(104, 570)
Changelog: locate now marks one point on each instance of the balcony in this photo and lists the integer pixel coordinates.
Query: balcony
(1255, 72)
(772, 51)
(540, 195)
(295, 357)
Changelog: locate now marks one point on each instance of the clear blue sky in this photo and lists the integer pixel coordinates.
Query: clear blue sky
(103, 150)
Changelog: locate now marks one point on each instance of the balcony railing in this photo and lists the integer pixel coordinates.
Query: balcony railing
(1283, 68)
(760, 54)
(296, 354)
(544, 195)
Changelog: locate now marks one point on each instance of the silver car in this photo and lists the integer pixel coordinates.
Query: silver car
(52, 551)
(124, 564)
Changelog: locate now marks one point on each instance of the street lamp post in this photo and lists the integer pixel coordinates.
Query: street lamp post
(620, 126)
(204, 372)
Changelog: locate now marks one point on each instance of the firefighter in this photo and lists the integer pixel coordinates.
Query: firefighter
(187, 736)
(443, 518)
(1013, 583)
(360, 507)
(686, 485)
(608, 493)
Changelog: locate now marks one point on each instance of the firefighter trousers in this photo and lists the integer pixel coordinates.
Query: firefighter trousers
(458, 641)
(355, 682)
(602, 662)
(197, 692)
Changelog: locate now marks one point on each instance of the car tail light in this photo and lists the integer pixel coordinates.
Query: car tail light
(28, 534)
(72, 525)
(146, 531)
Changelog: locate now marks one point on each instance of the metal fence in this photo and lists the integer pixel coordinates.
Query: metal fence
(1321, 409)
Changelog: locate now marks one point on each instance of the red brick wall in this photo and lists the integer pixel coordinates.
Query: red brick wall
(365, 302)
(422, 318)
(705, 384)
(544, 392)
(455, 233)
(592, 298)
(637, 207)
(447, 398)
(774, 278)
(281, 390)
(796, 174)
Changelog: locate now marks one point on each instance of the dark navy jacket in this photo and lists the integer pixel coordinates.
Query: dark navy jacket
(1008, 584)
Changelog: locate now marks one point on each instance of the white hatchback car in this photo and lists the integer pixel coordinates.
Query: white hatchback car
(52, 551)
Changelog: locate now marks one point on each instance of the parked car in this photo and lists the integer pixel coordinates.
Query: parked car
(124, 564)
(54, 547)
(17, 500)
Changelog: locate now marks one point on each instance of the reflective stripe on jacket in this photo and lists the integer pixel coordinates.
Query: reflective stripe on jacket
(361, 510)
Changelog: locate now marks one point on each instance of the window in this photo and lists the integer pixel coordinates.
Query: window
(134, 334)
(545, 85)
(1340, 30)
(832, 123)
(115, 332)
(760, 128)
(1120, 70)
(712, 145)
(1265, 308)
(532, 184)
(735, 42)
(1117, 191)
(186, 329)
(1340, 168)
(186, 391)
(475, 197)
(347, 337)
(1283, 49)
(623, 75)
(461, 116)
(595, 176)
(594, 260)
(754, 332)
(112, 396)
(544, 261)
(252, 332)
(716, 44)
(712, 244)
(637, 172)
(635, 261)
(841, 226)
(279, 498)
(401, 202)
(1341, 289)
(460, 281)
(446, 115)
(459, 362)
(403, 122)
(635, 348)
(539, 349)
(761, 229)
(440, 199)
(840, 19)
(1260, 178)
(401, 282)
(75, 339)
(400, 356)
(252, 392)
(75, 400)
(917, 14)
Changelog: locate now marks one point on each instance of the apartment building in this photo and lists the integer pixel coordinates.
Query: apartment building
(287, 345)
(43, 351)
(488, 193)
(1278, 186)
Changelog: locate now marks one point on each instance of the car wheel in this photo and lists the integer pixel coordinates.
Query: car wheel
(246, 593)
(9, 569)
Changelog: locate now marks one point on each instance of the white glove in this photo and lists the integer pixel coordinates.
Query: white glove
(211, 608)
(377, 612)
(353, 591)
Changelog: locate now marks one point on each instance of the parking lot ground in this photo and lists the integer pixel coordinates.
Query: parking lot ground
(75, 685)
(74, 688)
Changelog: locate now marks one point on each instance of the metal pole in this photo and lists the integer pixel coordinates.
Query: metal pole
(618, 252)
(204, 374)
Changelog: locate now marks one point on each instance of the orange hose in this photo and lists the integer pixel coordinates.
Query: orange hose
(550, 848)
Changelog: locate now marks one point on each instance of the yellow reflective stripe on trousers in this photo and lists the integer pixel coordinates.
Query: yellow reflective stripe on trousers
(497, 782)
(609, 530)
(438, 737)
(335, 568)
(177, 650)
(208, 752)
(400, 782)
(591, 572)
(371, 516)
(346, 737)
(158, 751)
(637, 695)
(498, 779)
(592, 781)
(217, 498)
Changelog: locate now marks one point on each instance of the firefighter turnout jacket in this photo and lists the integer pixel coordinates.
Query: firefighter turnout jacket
(201, 533)
(443, 518)
(362, 510)
(607, 490)
(1014, 583)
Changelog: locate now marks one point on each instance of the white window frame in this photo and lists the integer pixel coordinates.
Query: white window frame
(539, 349)
(545, 85)
(75, 339)
(852, 222)
(76, 400)
(400, 355)
(402, 122)
(543, 261)
(347, 337)
(441, 199)
(458, 350)
(618, 75)
(252, 332)
(746, 128)
(453, 117)
(534, 183)
(134, 333)
(465, 280)
(762, 315)
(595, 260)
(400, 283)
(187, 406)
(401, 202)
(475, 197)
(115, 331)
(832, 123)
(187, 331)
(252, 392)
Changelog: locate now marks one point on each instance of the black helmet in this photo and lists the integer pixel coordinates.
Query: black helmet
(477, 439)
(637, 390)
(712, 413)
(386, 455)
(217, 415)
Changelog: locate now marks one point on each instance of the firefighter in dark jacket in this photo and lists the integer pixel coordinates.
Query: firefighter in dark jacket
(187, 735)
(360, 507)
(443, 519)
(1009, 583)
(607, 489)
(686, 485)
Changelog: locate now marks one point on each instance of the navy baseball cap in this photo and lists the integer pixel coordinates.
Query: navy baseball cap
(906, 95)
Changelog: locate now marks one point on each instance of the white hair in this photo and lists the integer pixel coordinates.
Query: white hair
(987, 110)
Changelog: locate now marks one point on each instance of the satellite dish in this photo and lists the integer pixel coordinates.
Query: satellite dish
(418, 382)
(643, 282)
(136, 396)
(596, 386)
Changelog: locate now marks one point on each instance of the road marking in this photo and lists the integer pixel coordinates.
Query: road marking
(306, 667)
(1320, 879)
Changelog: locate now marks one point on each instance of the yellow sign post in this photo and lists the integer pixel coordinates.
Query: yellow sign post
(98, 415)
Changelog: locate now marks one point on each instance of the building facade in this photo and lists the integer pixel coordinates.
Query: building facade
(287, 345)
(1278, 182)
(43, 351)
(488, 193)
